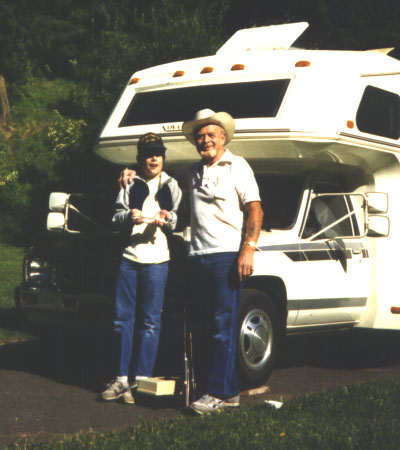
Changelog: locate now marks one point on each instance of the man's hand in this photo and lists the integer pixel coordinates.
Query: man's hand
(126, 177)
(245, 262)
(253, 227)
(161, 217)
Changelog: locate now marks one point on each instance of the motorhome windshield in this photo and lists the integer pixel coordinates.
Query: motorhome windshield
(241, 100)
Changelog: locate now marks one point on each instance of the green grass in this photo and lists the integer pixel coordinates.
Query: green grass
(10, 276)
(10, 273)
(365, 416)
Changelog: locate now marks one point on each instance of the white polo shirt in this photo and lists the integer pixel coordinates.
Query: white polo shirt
(218, 196)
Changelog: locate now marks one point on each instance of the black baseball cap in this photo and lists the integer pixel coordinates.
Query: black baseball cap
(150, 144)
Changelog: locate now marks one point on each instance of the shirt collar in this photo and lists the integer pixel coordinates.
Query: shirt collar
(226, 158)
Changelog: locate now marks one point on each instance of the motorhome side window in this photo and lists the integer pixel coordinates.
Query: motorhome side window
(241, 100)
(379, 113)
(280, 199)
(325, 211)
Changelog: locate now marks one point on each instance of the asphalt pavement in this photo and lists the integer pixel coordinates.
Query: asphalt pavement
(49, 388)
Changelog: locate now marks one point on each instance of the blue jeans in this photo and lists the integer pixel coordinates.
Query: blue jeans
(217, 295)
(139, 301)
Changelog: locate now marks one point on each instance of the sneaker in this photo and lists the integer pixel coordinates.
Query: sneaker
(232, 401)
(127, 397)
(207, 404)
(116, 389)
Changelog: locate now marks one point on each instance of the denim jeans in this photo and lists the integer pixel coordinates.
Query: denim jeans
(139, 301)
(217, 294)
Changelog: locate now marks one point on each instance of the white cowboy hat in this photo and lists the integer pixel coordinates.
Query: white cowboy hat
(209, 117)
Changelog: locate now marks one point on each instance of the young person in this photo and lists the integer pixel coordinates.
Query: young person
(148, 209)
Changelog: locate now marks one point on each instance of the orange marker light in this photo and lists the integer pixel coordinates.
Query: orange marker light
(207, 70)
(178, 73)
(134, 81)
(303, 64)
(395, 309)
(238, 67)
(350, 124)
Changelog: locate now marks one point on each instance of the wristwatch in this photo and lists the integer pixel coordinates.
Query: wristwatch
(252, 244)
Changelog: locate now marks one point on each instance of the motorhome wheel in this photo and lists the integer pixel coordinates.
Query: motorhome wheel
(257, 338)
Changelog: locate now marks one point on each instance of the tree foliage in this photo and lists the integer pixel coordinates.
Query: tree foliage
(334, 24)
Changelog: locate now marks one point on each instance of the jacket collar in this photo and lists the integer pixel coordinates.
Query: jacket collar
(165, 178)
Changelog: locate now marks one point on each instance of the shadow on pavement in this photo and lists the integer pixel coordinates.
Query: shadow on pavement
(84, 360)
(10, 320)
(88, 359)
(80, 357)
(350, 349)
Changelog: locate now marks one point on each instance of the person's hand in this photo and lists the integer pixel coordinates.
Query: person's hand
(245, 262)
(137, 216)
(126, 177)
(161, 217)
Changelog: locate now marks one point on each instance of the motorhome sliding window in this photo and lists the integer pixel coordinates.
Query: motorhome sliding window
(379, 113)
(242, 100)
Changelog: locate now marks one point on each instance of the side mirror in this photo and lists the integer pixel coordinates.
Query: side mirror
(56, 221)
(58, 201)
(378, 226)
(377, 202)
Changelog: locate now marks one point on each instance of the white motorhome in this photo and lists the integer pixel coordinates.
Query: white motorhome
(321, 130)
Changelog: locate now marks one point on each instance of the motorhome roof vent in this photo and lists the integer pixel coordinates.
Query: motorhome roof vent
(272, 37)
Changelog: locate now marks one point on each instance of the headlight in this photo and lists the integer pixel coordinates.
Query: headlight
(36, 270)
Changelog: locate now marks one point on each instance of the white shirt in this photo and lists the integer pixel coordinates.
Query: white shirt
(148, 243)
(218, 196)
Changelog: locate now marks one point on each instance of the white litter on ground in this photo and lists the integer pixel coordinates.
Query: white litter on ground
(273, 403)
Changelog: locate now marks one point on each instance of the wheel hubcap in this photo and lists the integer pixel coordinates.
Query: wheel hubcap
(256, 338)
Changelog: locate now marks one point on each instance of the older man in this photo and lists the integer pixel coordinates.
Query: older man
(226, 218)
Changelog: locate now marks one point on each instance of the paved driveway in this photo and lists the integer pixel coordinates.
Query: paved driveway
(50, 387)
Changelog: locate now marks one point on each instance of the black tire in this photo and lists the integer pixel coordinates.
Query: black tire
(258, 338)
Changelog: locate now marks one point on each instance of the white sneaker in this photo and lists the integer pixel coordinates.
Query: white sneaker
(127, 396)
(232, 401)
(207, 405)
(116, 389)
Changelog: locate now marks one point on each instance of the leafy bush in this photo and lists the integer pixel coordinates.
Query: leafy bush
(4, 157)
